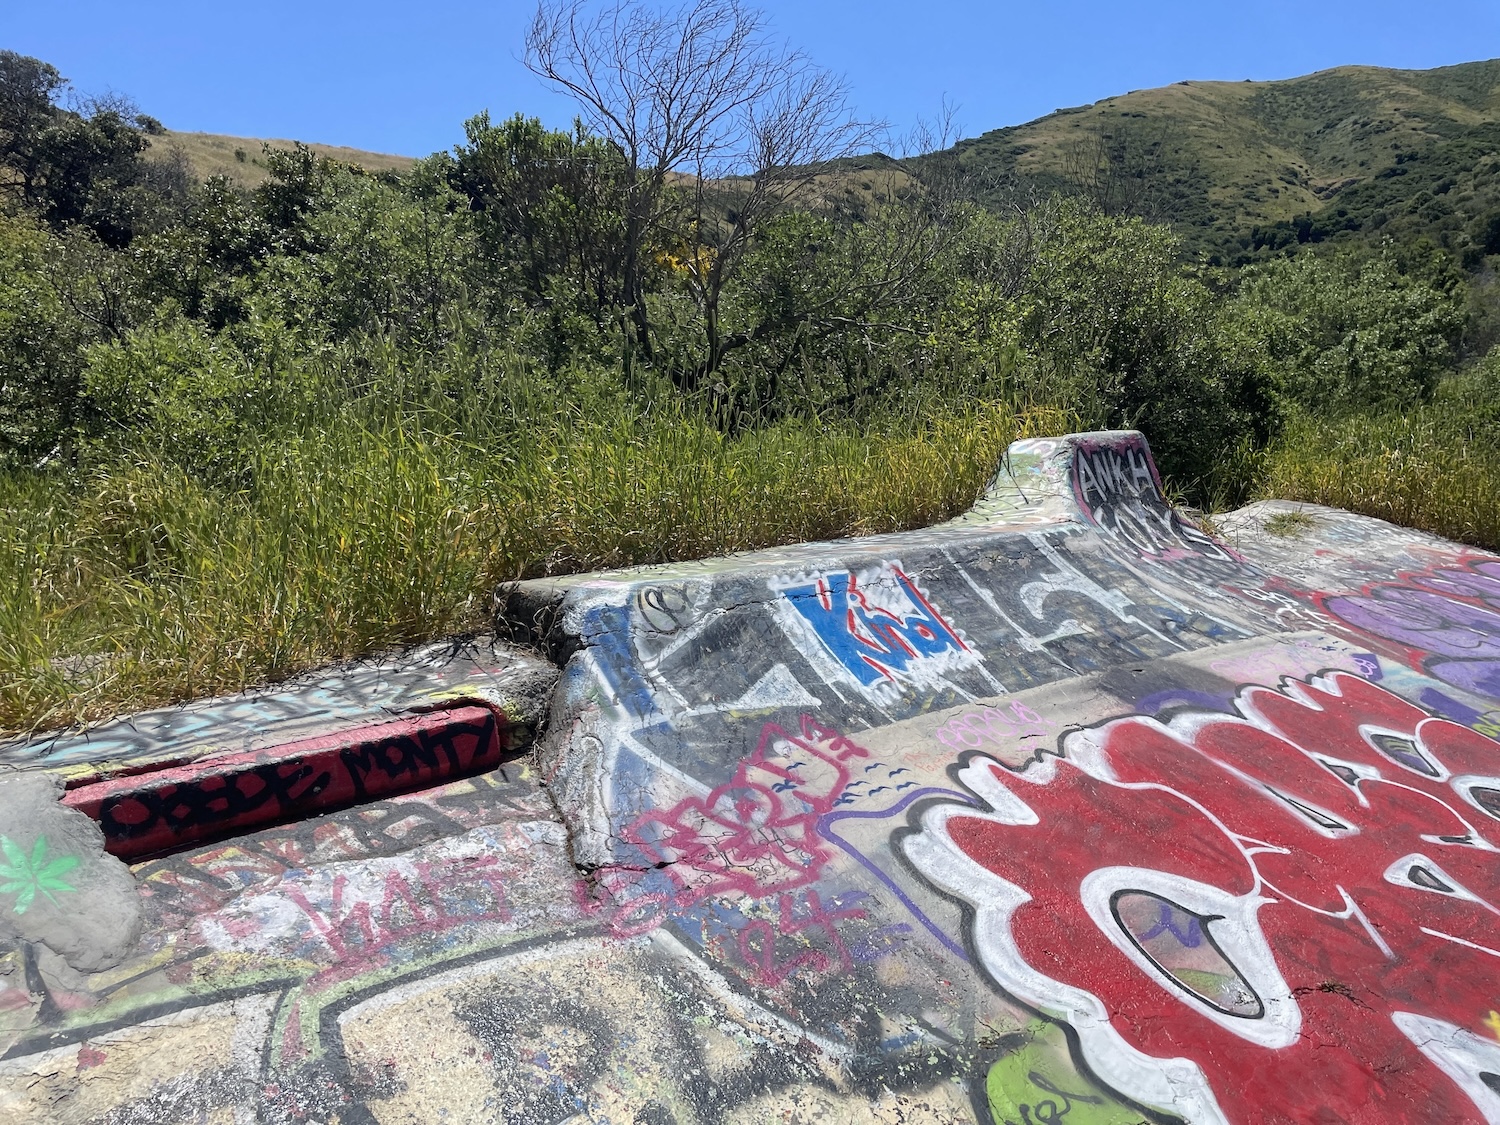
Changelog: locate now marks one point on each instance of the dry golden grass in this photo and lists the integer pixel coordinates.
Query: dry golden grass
(1428, 469)
(242, 160)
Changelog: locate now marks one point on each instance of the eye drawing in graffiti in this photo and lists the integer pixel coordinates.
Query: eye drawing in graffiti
(876, 627)
(1212, 903)
(27, 876)
(1449, 618)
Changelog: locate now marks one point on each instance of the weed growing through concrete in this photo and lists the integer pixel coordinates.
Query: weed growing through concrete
(1288, 524)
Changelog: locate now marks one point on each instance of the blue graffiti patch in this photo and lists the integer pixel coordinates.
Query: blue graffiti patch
(610, 627)
(875, 642)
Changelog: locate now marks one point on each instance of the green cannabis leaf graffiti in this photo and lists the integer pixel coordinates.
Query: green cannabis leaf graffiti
(27, 875)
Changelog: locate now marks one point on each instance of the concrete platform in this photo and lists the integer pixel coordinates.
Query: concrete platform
(1065, 811)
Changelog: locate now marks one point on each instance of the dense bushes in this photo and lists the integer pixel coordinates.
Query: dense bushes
(40, 347)
(866, 300)
(1347, 333)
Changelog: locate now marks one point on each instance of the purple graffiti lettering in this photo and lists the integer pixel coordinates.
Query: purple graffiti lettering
(1437, 615)
(1166, 923)
(1424, 620)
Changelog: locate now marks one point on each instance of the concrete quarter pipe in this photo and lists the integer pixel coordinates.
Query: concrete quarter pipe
(1064, 811)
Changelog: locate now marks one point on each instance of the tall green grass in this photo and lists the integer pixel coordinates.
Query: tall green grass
(365, 510)
(1436, 468)
(136, 582)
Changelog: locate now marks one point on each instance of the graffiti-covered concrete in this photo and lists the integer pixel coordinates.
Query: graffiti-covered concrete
(1063, 812)
(167, 809)
(323, 704)
(66, 897)
(1071, 566)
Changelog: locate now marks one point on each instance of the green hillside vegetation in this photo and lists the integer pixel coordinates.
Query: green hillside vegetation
(258, 421)
(243, 162)
(1243, 168)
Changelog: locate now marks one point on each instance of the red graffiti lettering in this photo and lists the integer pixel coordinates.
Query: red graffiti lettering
(1296, 896)
(358, 927)
(753, 838)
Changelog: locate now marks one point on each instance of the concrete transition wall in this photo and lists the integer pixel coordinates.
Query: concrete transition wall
(1062, 812)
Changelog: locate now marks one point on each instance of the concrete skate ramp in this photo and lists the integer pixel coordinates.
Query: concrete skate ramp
(1071, 566)
(1067, 767)
(1062, 812)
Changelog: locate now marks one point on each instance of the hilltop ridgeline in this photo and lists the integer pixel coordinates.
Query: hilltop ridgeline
(1242, 169)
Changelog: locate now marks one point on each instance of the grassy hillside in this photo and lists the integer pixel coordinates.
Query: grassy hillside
(241, 158)
(1243, 167)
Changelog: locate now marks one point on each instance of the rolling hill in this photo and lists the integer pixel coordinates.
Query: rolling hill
(241, 158)
(1243, 167)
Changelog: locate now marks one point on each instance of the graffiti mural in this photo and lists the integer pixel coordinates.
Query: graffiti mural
(290, 973)
(1117, 489)
(677, 662)
(1062, 813)
(743, 867)
(1448, 617)
(756, 833)
(1212, 903)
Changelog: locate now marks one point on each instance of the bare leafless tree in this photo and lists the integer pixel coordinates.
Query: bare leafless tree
(719, 127)
(1120, 170)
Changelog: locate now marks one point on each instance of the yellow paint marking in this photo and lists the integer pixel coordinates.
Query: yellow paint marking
(1493, 1023)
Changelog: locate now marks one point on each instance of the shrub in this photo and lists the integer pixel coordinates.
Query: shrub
(1348, 333)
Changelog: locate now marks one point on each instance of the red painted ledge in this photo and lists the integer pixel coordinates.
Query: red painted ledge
(147, 814)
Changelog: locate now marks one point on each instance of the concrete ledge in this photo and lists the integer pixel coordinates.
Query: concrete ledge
(168, 809)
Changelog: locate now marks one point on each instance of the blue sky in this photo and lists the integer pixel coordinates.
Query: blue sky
(403, 77)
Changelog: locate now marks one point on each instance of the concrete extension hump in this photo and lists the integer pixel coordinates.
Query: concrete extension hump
(1072, 565)
(1065, 811)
